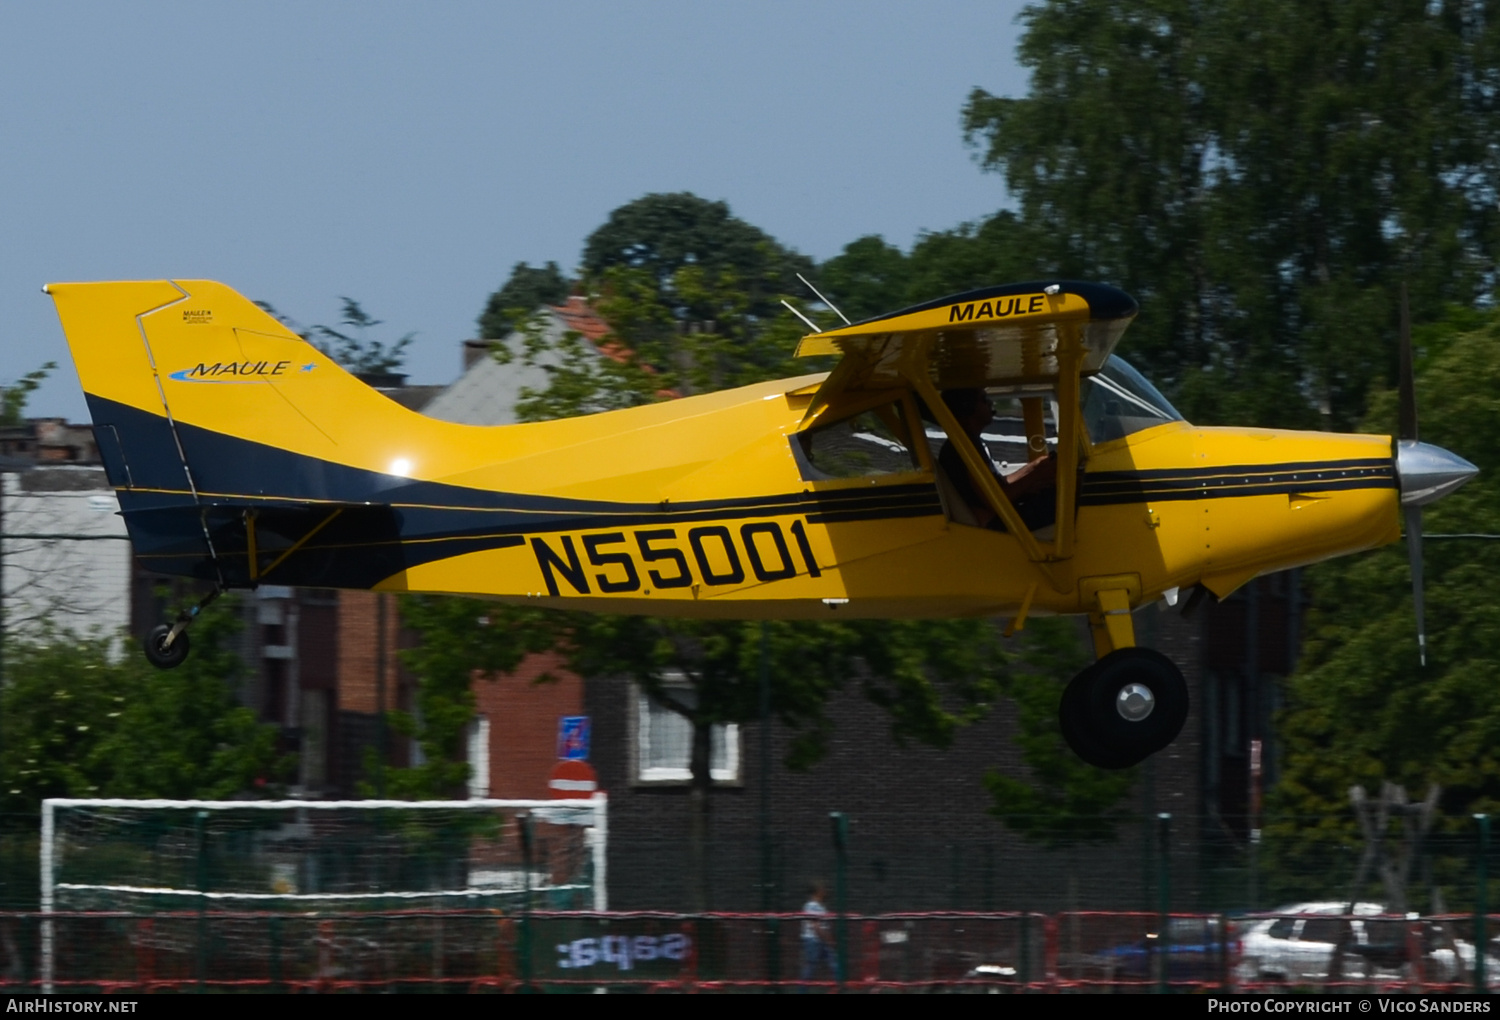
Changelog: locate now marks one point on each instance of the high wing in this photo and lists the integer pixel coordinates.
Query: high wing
(1040, 336)
(1014, 334)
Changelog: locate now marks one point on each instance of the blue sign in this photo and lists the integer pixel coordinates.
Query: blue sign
(573, 738)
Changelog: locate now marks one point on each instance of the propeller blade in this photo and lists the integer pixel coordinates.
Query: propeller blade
(1413, 514)
(1408, 375)
(1409, 439)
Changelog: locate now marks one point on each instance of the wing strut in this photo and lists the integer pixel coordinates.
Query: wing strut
(1069, 362)
(979, 472)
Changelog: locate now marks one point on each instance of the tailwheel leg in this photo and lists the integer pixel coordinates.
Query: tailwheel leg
(167, 646)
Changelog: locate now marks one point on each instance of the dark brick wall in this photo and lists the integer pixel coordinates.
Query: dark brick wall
(921, 836)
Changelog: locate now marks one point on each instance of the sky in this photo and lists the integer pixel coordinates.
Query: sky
(408, 155)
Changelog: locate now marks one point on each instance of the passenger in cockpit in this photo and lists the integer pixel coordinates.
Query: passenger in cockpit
(1032, 488)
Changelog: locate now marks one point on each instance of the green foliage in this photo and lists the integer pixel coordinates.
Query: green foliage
(995, 250)
(932, 676)
(1066, 801)
(359, 353)
(871, 277)
(462, 639)
(1261, 175)
(665, 233)
(1360, 709)
(528, 289)
(868, 278)
(579, 380)
(13, 397)
(646, 358)
(708, 671)
(77, 719)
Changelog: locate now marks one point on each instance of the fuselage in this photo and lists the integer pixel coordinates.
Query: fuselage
(724, 524)
(242, 455)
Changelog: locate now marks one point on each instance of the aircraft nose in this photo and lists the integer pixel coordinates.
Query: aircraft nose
(1428, 473)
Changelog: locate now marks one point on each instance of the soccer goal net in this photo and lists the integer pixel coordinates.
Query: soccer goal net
(151, 856)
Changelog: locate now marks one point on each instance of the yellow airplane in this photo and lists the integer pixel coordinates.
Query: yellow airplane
(981, 454)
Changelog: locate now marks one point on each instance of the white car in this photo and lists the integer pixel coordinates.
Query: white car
(1296, 945)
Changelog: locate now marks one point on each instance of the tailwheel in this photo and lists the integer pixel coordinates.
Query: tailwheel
(164, 650)
(167, 644)
(1124, 708)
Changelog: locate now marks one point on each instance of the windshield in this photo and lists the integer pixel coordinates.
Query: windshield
(1119, 401)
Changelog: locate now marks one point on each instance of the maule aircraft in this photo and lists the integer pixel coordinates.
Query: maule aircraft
(981, 454)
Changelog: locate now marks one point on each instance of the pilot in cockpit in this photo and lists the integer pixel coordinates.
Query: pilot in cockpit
(1032, 488)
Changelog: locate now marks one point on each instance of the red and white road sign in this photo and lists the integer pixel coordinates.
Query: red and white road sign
(572, 779)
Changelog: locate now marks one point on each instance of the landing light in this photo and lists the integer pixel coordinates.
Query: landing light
(400, 466)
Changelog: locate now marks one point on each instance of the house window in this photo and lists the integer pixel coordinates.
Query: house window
(479, 757)
(664, 744)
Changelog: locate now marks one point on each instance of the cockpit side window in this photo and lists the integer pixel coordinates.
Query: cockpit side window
(864, 445)
(1119, 401)
(1004, 440)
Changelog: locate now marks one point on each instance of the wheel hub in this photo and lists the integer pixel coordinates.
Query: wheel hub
(1134, 702)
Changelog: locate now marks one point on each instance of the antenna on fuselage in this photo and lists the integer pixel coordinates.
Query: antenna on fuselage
(823, 299)
(810, 324)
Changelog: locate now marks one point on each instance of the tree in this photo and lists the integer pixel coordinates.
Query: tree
(664, 233)
(1262, 209)
(931, 676)
(528, 289)
(871, 277)
(78, 719)
(579, 379)
(1063, 800)
(1360, 710)
(708, 672)
(461, 639)
(359, 353)
(868, 278)
(13, 398)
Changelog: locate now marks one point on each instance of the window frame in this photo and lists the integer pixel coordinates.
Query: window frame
(910, 418)
(642, 774)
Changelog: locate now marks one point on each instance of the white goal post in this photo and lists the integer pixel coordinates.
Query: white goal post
(302, 856)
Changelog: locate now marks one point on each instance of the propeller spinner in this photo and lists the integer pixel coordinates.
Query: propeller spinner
(1427, 473)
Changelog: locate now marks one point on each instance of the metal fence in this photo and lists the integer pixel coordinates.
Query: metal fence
(491, 951)
(1126, 904)
(1127, 864)
(894, 865)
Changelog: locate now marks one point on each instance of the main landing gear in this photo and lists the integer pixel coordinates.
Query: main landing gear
(1124, 708)
(167, 646)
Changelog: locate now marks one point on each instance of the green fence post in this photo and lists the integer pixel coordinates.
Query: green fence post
(955, 881)
(1481, 904)
(524, 953)
(1164, 893)
(1025, 951)
(773, 954)
(841, 890)
(989, 876)
(276, 985)
(202, 881)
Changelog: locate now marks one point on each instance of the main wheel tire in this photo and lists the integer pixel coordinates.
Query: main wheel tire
(1107, 682)
(159, 654)
(1072, 718)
